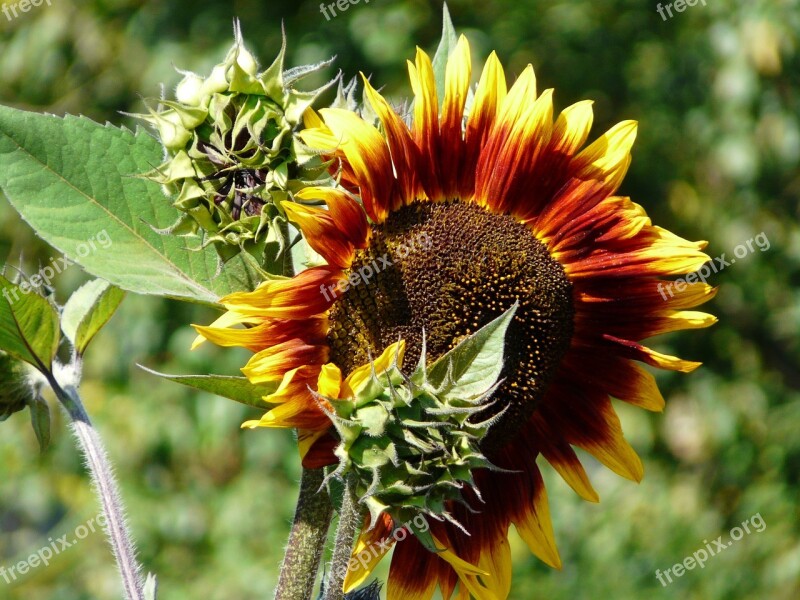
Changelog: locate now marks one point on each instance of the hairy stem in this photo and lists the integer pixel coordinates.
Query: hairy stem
(107, 490)
(312, 518)
(351, 518)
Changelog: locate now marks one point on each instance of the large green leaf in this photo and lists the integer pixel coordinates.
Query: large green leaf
(88, 310)
(74, 181)
(238, 389)
(29, 327)
(475, 364)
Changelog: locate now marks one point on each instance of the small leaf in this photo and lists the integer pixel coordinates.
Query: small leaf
(446, 46)
(238, 389)
(475, 364)
(88, 310)
(150, 587)
(29, 327)
(40, 420)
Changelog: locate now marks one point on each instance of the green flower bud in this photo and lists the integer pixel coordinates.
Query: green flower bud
(232, 156)
(410, 442)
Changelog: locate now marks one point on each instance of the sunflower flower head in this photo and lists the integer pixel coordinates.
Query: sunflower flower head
(520, 211)
(231, 153)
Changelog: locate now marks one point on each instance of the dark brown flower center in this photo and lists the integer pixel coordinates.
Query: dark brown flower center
(451, 268)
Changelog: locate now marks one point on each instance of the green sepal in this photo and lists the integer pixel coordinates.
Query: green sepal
(40, 420)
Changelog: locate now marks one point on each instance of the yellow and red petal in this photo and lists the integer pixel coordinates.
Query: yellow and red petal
(267, 333)
(404, 152)
(322, 233)
(413, 574)
(456, 89)
(300, 297)
(346, 212)
(425, 130)
(294, 414)
(489, 96)
(583, 416)
(367, 156)
(563, 459)
(607, 158)
(273, 363)
(532, 521)
(496, 560)
(318, 451)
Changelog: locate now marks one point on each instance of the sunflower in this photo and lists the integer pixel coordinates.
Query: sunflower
(517, 208)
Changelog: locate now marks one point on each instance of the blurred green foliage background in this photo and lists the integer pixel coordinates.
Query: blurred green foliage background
(716, 90)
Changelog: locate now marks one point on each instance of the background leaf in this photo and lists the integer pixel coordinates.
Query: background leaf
(74, 181)
(238, 389)
(29, 327)
(88, 310)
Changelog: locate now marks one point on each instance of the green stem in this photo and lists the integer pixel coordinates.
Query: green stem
(312, 519)
(351, 518)
(107, 490)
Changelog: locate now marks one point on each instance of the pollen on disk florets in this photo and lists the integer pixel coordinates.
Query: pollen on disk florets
(476, 266)
(231, 153)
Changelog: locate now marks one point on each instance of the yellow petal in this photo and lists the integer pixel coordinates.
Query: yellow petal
(536, 528)
(607, 158)
(361, 374)
(457, 77)
(228, 319)
(572, 127)
(489, 95)
(330, 381)
(519, 99)
(496, 559)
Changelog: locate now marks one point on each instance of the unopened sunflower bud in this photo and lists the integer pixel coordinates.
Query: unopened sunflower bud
(15, 391)
(231, 156)
(411, 443)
